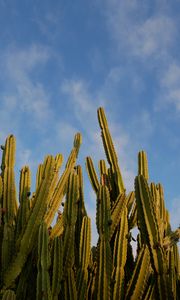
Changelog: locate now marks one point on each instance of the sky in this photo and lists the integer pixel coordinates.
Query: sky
(61, 60)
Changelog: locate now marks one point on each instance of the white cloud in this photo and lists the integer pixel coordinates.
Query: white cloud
(169, 87)
(137, 32)
(24, 94)
(77, 89)
(20, 61)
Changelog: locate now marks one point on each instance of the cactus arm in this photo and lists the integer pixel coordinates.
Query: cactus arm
(8, 203)
(121, 240)
(81, 204)
(130, 201)
(85, 243)
(104, 180)
(110, 150)
(116, 212)
(60, 188)
(104, 270)
(162, 206)
(92, 174)
(68, 248)
(58, 228)
(138, 282)
(39, 175)
(103, 215)
(7, 246)
(150, 294)
(43, 279)
(172, 273)
(9, 189)
(70, 286)
(57, 266)
(143, 165)
(70, 217)
(151, 234)
(146, 216)
(120, 256)
(24, 192)
(133, 217)
(84, 258)
(9, 295)
(81, 212)
(29, 235)
(22, 286)
(58, 164)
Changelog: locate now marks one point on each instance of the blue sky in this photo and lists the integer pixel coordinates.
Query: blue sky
(61, 60)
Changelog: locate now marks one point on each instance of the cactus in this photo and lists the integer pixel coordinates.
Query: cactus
(43, 279)
(151, 234)
(9, 295)
(70, 217)
(24, 193)
(103, 222)
(120, 256)
(41, 258)
(58, 228)
(143, 165)
(8, 179)
(8, 203)
(110, 151)
(138, 282)
(84, 258)
(92, 174)
(35, 218)
(59, 192)
(57, 266)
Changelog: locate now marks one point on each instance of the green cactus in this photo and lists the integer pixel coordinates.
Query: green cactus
(9, 295)
(57, 266)
(120, 256)
(110, 151)
(8, 179)
(70, 291)
(44, 260)
(143, 165)
(60, 189)
(41, 199)
(24, 193)
(8, 203)
(58, 228)
(70, 217)
(138, 282)
(92, 174)
(151, 233)
(84, 258)
(43, 279)
(103, 222)
(117, 211)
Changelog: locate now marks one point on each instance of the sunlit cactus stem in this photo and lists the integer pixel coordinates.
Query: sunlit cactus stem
(43, 279)
(110, 151)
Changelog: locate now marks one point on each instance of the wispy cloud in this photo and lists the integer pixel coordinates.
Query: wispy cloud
(24, 94)
(139, 32)
(169, 87)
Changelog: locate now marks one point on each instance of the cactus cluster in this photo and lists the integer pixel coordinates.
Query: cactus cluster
(40, 259)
